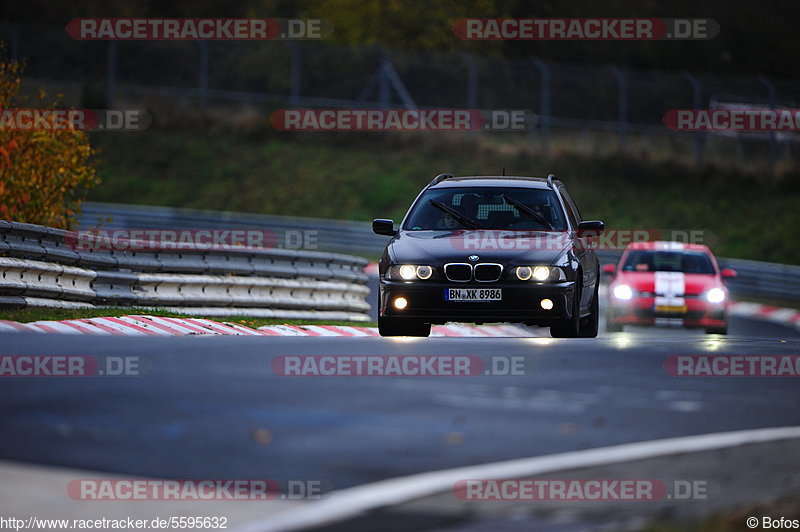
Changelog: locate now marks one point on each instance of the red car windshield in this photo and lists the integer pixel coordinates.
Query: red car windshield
(668, 261)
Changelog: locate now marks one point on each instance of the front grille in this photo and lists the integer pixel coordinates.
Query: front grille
(458, 272)
(488, 272)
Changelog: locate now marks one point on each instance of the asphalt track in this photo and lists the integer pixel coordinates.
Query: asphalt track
(211, 407)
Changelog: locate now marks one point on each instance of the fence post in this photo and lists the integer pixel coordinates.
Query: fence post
(202, 72)
(697, 102)
(472, 83)
(622, 105)
(383, 85)
(14, 41)
(544, 103)
(111, 73)
(771, 96)
(294, 91)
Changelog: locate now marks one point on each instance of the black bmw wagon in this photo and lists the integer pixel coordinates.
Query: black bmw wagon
(485, 249)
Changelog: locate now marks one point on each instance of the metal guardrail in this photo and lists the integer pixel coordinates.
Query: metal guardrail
(755, 279)
(328, 235)
(43, 266)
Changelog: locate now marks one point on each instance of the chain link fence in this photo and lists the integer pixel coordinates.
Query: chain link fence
(588, 106)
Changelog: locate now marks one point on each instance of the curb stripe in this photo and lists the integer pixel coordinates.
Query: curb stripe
(95, 322)
(170, 330)
(182, 324)
(91, 329)
(134, 326)
(16, 326)
(217, 326)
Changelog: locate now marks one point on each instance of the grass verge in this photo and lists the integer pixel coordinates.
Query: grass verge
(744, 213)
(736, 521)
(56, 314)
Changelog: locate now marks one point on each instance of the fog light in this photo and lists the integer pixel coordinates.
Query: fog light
(400, 303)
(547, 304)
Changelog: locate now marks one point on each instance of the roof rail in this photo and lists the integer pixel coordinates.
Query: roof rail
(439, 178)
(550, 178)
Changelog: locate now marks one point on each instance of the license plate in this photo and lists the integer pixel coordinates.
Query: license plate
(473, 294)
(671, 309)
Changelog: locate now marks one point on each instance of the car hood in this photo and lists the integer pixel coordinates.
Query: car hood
(669, 283)
(504, 247)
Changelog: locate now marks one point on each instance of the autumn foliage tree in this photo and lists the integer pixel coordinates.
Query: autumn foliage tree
(44, 175)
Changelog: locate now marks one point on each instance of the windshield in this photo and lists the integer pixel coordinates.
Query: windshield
(501, 208)
(668, 261)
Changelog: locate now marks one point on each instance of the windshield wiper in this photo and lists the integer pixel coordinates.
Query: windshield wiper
(472, 224)
(530, 213)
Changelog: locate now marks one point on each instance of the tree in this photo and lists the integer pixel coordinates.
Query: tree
(44, 174)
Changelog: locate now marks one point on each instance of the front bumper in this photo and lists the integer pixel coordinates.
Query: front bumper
(520, 303)
(642, 311)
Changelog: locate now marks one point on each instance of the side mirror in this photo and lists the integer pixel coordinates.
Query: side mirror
(590, 229)
(592, 226)
(383, 227)
(609, 269)
(729, 273)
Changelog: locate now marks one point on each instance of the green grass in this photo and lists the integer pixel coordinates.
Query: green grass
(57, 314)
(364, 176)
(734, 521)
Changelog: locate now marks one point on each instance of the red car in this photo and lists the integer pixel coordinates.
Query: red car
(665, 283)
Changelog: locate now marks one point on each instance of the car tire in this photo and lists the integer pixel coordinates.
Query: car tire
(393, 327)
(570, 328)
(717, 330)
(590, 324)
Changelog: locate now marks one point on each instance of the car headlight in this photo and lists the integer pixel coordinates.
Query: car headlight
(410, 272)
(540, 273)
(715, 295)
(623, 292)
(424, 272)
(407, 272)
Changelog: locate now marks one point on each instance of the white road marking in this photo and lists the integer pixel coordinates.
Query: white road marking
(348, 503)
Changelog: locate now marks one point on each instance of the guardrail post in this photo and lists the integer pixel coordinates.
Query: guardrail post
(622, 105)
(545, 81)
(697, 102)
